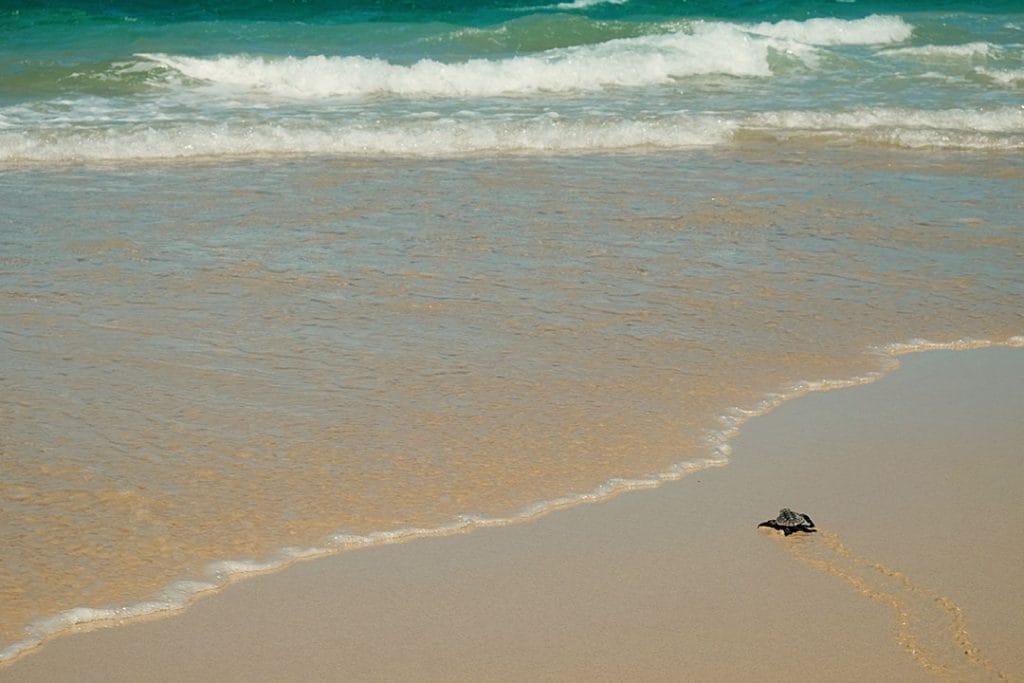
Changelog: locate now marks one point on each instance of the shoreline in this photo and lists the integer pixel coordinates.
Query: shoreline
(732, 439)
(219, 575)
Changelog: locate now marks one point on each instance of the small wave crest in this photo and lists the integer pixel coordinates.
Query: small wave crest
(996, 129)
(575, 5)
(873, 30)
(1005, 77)
(442, 136)
(943, 52)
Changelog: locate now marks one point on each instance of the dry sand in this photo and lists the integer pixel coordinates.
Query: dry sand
(918, 571)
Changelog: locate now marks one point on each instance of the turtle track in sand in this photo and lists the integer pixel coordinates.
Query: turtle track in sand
(930, 627)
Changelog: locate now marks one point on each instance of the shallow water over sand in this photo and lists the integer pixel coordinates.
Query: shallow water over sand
(205, 362)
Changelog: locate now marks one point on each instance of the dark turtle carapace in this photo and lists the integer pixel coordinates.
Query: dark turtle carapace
(789, 522)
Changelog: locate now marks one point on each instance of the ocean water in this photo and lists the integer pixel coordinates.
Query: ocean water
(284, 279)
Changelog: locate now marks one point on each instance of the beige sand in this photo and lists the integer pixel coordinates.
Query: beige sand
(915, 481)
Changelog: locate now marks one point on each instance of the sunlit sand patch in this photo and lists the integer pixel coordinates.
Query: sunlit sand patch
(930, 627)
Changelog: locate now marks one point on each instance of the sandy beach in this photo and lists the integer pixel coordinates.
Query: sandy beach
(916, 573)
(471, 341)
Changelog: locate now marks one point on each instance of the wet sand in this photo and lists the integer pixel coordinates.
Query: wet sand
(915, 482)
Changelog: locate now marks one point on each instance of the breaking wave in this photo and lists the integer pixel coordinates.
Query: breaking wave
(698, 48)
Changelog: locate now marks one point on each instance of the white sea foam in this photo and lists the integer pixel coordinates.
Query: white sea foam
(1011, 77)
(569, 5)
(1001, 120)
(583, 4)
(418, 137)
(470, 134)
(175, 597)
(711, 49)
(699, 48)
(921, 345)
(872, 30)
(1001, 128)
(945, 52)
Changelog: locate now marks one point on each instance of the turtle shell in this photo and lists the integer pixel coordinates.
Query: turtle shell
(789, 518)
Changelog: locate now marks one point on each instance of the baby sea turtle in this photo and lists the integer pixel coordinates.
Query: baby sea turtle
(788, 522)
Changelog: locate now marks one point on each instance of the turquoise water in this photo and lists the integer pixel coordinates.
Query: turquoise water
(89, 81)
(280, 279)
